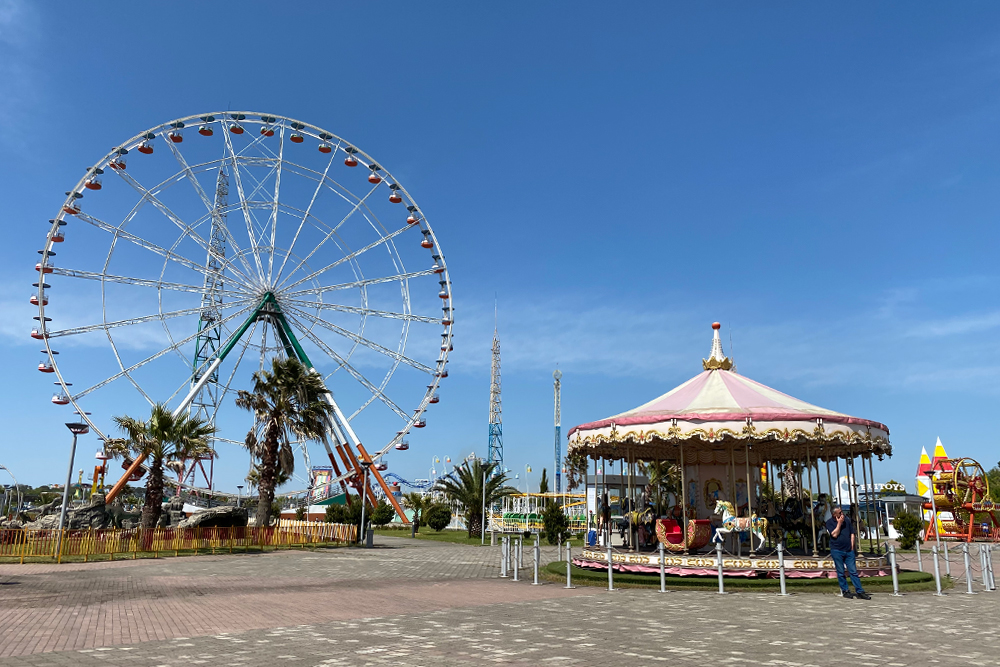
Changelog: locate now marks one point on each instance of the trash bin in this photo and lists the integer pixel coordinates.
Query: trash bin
(591, 537)
(370, 538)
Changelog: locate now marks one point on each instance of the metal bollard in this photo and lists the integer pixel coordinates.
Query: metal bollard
(969, 574)
(503, 557)
(781, 567)
(718, 558)
(920, 561)
(569, 566)
(520, 551)
(989, 565)
(895, 575)
(937, 571)
(536, 556)
(985, 568)
(947, 561)
(663, 571)
(516, 563)
(611, 580)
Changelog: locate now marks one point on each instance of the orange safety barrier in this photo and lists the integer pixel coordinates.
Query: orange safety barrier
(18, 543)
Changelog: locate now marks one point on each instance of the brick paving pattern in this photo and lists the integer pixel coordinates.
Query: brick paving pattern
(424, 603)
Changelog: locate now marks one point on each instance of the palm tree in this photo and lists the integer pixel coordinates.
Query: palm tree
(286, 401)
(664, 479)
(419, 504)
(467, 490)
(162, 440)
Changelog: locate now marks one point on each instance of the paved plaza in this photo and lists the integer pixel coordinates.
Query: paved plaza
(424, 603)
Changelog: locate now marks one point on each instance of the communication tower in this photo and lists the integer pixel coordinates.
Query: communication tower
(496, 427)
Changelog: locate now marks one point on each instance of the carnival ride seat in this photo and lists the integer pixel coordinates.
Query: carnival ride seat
(699, 532)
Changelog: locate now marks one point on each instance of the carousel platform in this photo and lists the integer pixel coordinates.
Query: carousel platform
(694, 565)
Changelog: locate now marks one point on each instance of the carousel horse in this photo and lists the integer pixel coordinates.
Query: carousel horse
(792, 519)
(756, 525)
(822, 512)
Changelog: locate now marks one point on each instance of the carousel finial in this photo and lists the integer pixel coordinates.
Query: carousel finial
(717, 359)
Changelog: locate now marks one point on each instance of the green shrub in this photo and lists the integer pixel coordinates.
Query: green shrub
(382, 514)
(438, 517)
(335, 514)
(300, 513)
(908, 526)
(556, 523)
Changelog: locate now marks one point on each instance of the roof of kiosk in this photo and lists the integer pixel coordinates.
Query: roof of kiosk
(718, 408)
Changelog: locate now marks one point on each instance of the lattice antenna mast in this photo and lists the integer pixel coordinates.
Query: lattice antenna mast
(557, 389)
(496, 427)
(209, 331)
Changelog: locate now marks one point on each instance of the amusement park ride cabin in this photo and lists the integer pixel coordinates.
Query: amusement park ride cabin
(961, 502)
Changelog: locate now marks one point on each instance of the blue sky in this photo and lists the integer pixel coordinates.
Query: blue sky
(822, 180)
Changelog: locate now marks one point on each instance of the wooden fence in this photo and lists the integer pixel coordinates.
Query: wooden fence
(15, 543)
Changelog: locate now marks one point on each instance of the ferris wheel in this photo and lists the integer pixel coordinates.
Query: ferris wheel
(194, 252)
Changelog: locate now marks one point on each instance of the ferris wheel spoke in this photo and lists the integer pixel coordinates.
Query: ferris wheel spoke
(232, 374)
(139, 282)
(347, 258)
(357, 283)
(372, 345)
(376, 392)
(175, 149)
(274, 212)
(334, 231)
(131, 321)
(238, 180)
(119, 233)
(308, 211)
(409, 317)
(156, 356)
(163, 208)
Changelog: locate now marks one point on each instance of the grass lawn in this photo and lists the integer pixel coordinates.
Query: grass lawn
(908, 581)
(454, 536)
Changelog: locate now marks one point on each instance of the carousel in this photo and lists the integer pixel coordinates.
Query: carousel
(745, 465)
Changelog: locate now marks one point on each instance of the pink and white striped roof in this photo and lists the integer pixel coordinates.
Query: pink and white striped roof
(723, 396)
(719, 404)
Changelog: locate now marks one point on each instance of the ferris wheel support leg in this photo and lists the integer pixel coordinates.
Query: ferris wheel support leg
(336, 469)
(366, 490)
(385, 487)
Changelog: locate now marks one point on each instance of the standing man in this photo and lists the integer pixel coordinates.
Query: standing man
(842, 551)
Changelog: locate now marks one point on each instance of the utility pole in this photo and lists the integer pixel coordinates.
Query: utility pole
(495, 454)
(557, 389)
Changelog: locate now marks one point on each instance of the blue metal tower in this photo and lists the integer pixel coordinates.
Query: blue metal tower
(496, 427)
(557, 377)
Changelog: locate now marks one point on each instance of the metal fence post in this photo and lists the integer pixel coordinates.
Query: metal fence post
(611, 581)
(947, 561)
(503, 558)
(984, 566)
(989, 565)
(718, 558)
(937, 571)
(536, 557)
(920, 561)
(781, 567)
(968, 569)
(517, 565)
(663, 571)
(569, 566)
(895, 575)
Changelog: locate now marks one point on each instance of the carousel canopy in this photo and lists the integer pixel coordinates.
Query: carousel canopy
(718, 409)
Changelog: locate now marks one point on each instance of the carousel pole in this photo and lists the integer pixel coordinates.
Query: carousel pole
(802, 505)
(871, 475)
(868, 502)
(774, 502)
(812, 513)
(684, 503)
(750, 492)
(855, 499)
(732, 483)
(836, 463)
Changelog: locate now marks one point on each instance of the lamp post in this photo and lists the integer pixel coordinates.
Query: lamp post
(364, 497)
(239, 495)
(76, 428)
(527, 487)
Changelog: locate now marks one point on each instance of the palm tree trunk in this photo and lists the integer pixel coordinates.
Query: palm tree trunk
(268, 465)
(153, 504)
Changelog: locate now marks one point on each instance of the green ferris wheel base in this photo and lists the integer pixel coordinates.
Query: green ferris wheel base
(270, 311)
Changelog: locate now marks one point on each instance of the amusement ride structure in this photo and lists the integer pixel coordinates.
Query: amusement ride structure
(495, 452)
(961, 505)
(723, 431)
(197, 250)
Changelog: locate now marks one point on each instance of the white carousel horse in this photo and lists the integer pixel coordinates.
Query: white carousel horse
(756, 525)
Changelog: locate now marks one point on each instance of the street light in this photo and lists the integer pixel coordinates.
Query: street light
(76, 428)
(364, 493)
(239, 495)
